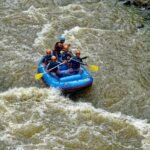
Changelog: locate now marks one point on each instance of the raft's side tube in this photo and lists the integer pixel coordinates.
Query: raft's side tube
(70, 78)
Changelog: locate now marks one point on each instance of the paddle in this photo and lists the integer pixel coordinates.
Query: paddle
(39, 75)
(85, 57)
(77, 61)
(94, 68)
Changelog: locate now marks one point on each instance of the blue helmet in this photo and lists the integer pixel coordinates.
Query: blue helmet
(62, 38)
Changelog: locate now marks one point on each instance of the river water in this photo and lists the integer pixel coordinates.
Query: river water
(111, 115)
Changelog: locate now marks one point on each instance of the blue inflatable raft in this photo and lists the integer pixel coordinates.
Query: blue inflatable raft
(67, 84)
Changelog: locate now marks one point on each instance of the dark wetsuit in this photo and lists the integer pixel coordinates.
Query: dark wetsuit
(66, 55)
(75, 62)
(46, 59)
(57, 49)
(52, 65)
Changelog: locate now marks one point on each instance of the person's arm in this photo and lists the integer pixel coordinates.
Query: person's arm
(43, 60)
(81, 60)
(78, 61)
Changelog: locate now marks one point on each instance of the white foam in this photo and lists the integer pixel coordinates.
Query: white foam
(54, 96)
(31, 10)
(41, 35)
(75, 29)
(35, 13)
(73, 8)
(139, 124)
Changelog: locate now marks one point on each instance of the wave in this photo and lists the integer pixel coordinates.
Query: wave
(34, 117)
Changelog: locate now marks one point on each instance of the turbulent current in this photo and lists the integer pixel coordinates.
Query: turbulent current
(114, 114)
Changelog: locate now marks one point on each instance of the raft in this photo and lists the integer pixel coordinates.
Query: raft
(67, 84)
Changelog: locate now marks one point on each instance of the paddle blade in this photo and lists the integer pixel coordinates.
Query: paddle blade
(34, 67)
(38, 76)
(85, 57)
(94, 68)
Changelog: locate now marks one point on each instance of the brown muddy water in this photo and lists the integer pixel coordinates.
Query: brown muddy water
(113, 114)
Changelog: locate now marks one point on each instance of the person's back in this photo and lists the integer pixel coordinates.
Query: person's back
(47, 57)
(75, 63)
(53, 63)
(53, 68)
(59, 47)
(66, 55)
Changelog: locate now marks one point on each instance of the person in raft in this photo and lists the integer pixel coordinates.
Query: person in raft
(47, 57)
(58, 48)
(75, 63)
(66, 54)
(53, 67)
